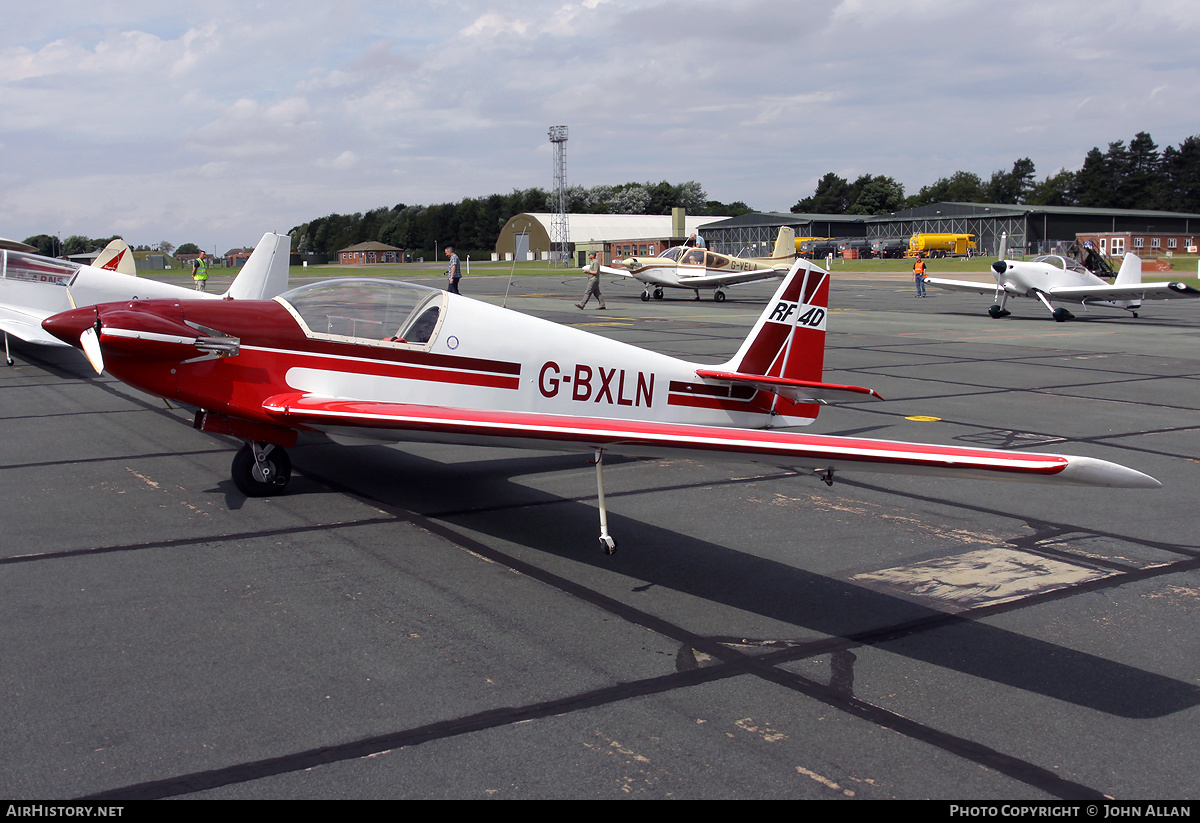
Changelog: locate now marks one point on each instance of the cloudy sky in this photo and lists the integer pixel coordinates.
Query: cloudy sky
(212, 121)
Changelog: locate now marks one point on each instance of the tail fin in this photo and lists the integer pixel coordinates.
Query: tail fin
(1131, 271)
(785, 243)
(266, 272)
(784, 356)
(116, 257)
(789, 338)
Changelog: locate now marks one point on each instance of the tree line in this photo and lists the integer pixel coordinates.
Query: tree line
(1133, 176)
(51, 246)
(474, 223)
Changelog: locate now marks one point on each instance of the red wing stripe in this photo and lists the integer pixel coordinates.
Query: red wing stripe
(597, 432)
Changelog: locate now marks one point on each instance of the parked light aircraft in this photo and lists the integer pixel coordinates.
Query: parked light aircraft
(683, 267)
(364, 360)
(1054, 278)
(33, 287)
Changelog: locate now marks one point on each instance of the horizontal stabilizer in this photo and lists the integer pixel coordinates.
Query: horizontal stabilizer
(798, 391)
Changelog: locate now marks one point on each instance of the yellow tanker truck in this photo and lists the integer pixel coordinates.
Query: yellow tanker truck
(940, 245)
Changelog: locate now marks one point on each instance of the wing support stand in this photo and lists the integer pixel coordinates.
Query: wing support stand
(826, 475)
(606, 541)
(8, 357)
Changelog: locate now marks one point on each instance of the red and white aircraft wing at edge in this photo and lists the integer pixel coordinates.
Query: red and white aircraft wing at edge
(386, 361)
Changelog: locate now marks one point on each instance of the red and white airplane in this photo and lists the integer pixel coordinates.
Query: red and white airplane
(387, 361)
(33, 287)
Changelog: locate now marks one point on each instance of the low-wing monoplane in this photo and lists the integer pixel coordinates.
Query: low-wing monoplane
(33, 287)
(386, 361)
(1052, 278)
(684, 267)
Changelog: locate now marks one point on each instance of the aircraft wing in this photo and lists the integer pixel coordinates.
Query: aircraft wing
(616, 272)
(400, 421)
(1130, 291)
(731, 278)
(798, 391)
(962, 285)
(26, 324)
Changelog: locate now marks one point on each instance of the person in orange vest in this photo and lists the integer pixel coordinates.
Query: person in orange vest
(919, 276)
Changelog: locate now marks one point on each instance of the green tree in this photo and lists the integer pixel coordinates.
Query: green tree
(188, 248)
(1056, 190)
(1011, 186)
(46, 244)
(1181, 173)
(832, 196)
(876, 195)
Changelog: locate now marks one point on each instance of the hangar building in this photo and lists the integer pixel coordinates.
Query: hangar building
(527, 235)
(1030, 229)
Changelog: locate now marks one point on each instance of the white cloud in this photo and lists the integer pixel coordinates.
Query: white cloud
(431, 102)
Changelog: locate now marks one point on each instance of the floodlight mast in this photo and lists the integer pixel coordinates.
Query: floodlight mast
(560, 234)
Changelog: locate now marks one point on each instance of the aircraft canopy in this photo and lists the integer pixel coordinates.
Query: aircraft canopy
(34, 268)
(363, 310)
(1058, 261)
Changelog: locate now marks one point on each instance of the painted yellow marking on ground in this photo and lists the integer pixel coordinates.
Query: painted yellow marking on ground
(921, 418)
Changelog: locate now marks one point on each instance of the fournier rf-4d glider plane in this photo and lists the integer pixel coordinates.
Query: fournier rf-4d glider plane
(685, 267)
(1052, 278)
(33, 287)
(386, 362)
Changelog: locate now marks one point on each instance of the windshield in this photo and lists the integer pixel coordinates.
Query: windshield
(367, 311)
(18, 265)
(672, 253)
(1060, 262)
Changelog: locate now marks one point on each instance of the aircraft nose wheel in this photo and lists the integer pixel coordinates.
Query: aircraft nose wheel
(645, 296)
(996, 312)
(260, 469)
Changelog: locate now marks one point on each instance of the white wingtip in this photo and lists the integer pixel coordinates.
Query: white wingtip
(1090, 471)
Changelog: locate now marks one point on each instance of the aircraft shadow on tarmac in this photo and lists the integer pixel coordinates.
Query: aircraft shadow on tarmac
(489, 502)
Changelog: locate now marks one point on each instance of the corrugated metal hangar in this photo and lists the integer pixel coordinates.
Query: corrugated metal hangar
(1032, 229)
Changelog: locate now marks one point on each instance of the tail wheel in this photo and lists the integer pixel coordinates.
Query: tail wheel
(260, 470)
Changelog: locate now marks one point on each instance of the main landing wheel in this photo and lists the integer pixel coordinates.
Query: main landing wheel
(1061, 315)
(719, 296)
(658, 294)
(264, 475)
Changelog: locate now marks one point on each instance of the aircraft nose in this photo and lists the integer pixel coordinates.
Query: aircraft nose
(68, 326)
(999, 267)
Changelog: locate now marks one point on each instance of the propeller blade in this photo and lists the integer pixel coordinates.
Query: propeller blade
(89, 341)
